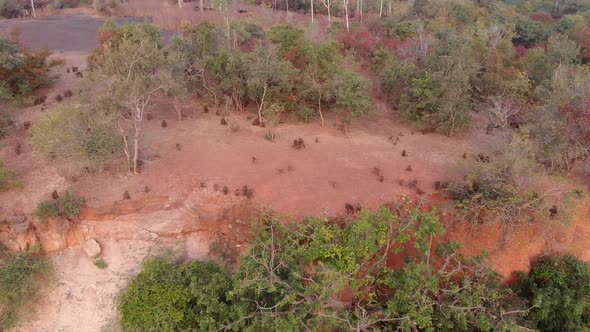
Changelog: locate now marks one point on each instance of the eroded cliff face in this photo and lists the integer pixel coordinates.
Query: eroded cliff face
(147, 219)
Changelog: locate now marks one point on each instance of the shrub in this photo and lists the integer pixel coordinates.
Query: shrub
(65, 206)
(167, 296)
(8, 178)
(18, 283)
(99, 144)
(68, 132)
(100, 263)
(558, 288)
(23, 70)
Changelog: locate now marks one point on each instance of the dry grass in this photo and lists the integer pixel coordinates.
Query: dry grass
(170, 17)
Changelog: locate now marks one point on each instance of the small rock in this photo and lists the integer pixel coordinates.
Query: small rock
(92, 248)
(16, 219)
(21, 227)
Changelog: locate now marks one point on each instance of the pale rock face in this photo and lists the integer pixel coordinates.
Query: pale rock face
(92, 248)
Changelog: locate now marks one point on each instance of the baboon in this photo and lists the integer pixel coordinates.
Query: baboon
(223, 122)
(464, 156)
(317, 140)
(254, 160)
(404, 153)
(178, 147)
(54, 194)
(257, 122)
(68, 70)
(553, 211)
(18, 149)
(218, 112)
(514, 125)
(216, 187)
(27, 125)
(225, 190)
(146, 189)
(58, 98)
(43, 108)
(242, 11)
(409, 168)
(352, 208)
(74, 178)
(247, 191)
(126, 195)
(164, 124)
(40, 100)
(290, 168)
(237, 192)
(401, 182)
(79, 74)
(149, 116)
(438, 185)
(280, 171)
(298, 144)
(377, 172)
(68, 93)
(203, 185)
(349, 208)
(75, 69)
(205, 109)
(483, 158)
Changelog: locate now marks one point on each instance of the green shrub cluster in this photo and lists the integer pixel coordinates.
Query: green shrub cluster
(558, 288)
(65, 206)
(19, 274)
(8, 178)
(294, 276)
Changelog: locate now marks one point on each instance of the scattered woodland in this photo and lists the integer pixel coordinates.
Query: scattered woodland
(518, 69)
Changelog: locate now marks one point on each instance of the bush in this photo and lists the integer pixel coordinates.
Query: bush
(558, 288)
(167, 296)
(18, 283)
(22, 70)
(498, 186)
(66, 206)
(8, 178)
(68, 132)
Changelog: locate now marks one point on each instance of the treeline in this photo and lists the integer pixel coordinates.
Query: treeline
(385, 270)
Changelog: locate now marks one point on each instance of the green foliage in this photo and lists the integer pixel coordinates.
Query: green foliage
(22, 70)
(532, 32)
(100, 263)
(176, 297)
(291, 277)
(286, 37)
(8, 178)
(558, 287)
(18, 283)
(65, 206)
(69, 131)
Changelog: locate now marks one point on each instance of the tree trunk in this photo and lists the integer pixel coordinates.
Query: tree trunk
(137, 127)
(261, 105)
(380, 8)
(125, 146)
(346, 14)
(287, 3)
(180, 3)
(312, 10)
(320, 110)
(33, 8)
(389, 8)
(202, 3)
(329, 15)
(178, 108)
